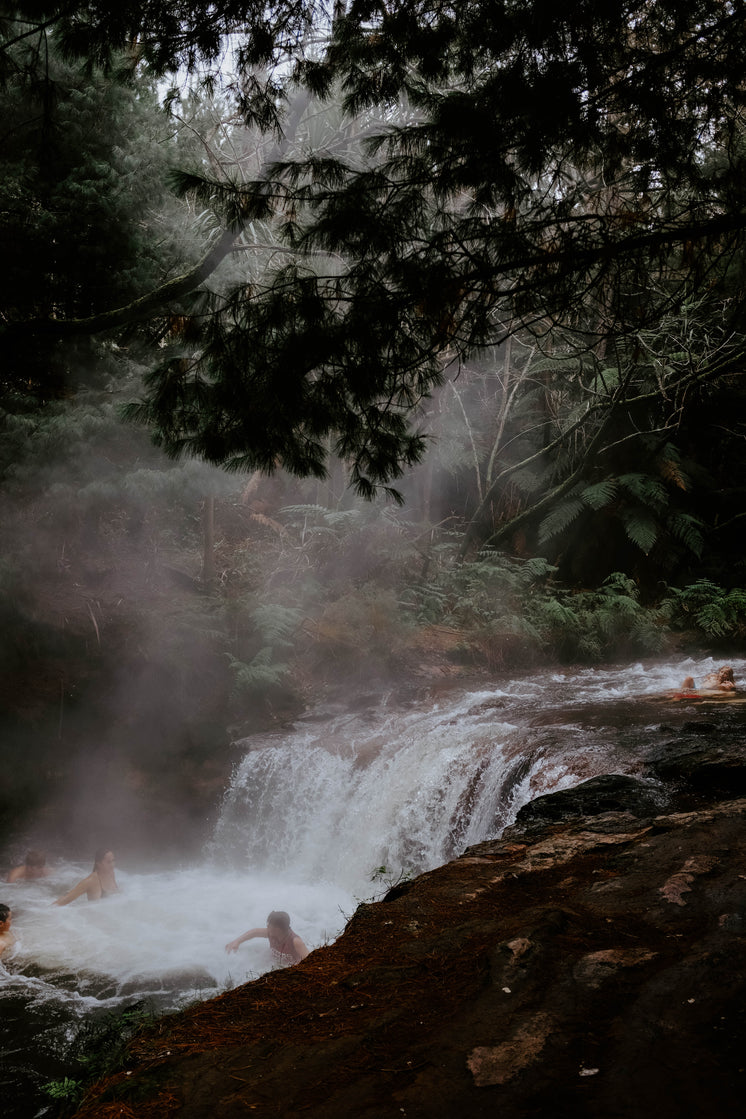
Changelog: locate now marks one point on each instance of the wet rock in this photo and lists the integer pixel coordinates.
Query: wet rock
(588, 965)
(712, 770)
(608, 793)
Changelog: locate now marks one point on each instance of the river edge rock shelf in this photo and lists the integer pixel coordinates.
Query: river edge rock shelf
(591, 962)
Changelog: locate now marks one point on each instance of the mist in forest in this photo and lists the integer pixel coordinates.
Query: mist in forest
(152, 613)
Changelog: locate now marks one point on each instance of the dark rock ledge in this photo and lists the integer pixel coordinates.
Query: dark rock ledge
(591, 963)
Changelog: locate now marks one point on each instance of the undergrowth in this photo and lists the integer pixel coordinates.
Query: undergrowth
(513, 611)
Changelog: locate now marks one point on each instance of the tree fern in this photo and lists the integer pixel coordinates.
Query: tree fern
(536, 570)
(713, 620)
(687, 529)
(709, 607)
(640, 528)
(601, 493)
(555, 614)
(560, 518)
(528, 481)
(647, 490)
(276, 624)
(670, 469)
(262, 671)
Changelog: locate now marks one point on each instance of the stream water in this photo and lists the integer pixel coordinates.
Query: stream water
(316, 819)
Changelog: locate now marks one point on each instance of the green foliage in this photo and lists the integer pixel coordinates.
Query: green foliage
(709, 608)
(599, 625)
(389, 878)
(641, 503)
(395, 232)
(67, 1089)
(560, 518)
(641, 530)
(595, 497)
(86, 221)
(97, 1049)
(271, 628)
(261, 673)
(509, 609)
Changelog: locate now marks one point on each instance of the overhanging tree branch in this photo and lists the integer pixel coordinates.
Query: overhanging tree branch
(136, 311)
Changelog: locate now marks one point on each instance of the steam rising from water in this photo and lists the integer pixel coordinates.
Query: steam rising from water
(312, 814)
(163, 936)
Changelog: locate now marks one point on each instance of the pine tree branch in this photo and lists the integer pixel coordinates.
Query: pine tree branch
(136, 311)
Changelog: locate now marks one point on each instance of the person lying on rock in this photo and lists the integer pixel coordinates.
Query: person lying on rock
(721, 681)
(287, 947)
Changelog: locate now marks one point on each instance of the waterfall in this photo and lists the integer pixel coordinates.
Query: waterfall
(409, 787)
(311, 815)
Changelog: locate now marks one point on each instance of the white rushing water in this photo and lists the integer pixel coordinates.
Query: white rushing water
(313, 813)
(410, 788)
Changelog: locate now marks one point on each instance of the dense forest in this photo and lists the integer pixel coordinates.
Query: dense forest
(352, 343)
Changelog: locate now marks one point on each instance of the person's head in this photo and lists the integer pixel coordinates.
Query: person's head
(35, 864)
(5, 916)
(103, 859)
(279, 920)
(688, 683)
(725, 675)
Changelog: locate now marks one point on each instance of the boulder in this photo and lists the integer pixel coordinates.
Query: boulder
(589, 963)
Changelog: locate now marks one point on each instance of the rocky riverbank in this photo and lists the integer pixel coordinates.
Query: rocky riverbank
(591, 962)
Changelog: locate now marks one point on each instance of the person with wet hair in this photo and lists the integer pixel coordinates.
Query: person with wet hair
(33, 866)
(7, 938)
(100, 883)
(287, 947)
(720, 681)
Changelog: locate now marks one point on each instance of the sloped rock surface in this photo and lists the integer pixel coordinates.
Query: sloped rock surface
(591, 962)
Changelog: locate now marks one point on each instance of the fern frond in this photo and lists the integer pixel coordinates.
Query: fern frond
(606, 379)
(673, 473)
(560, 518)
(712, 619)
(343, 518)
(619, 583)
(261, 672)
(537, 568)
(600, 494)
(555, 613)
(276, 623)
(640, 529)
(647, 490)
(527, 481)
(687, 529)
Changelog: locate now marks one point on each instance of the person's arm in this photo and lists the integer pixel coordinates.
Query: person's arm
(233, 945)
(17, 873)
(300, 947)
(71, 895)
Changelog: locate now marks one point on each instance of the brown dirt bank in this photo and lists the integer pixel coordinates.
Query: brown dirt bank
(592, 966)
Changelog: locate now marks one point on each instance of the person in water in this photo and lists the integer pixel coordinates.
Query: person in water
(721, 681)
(34, 866)
(7, 938)
(100, 883)
(287, 947)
